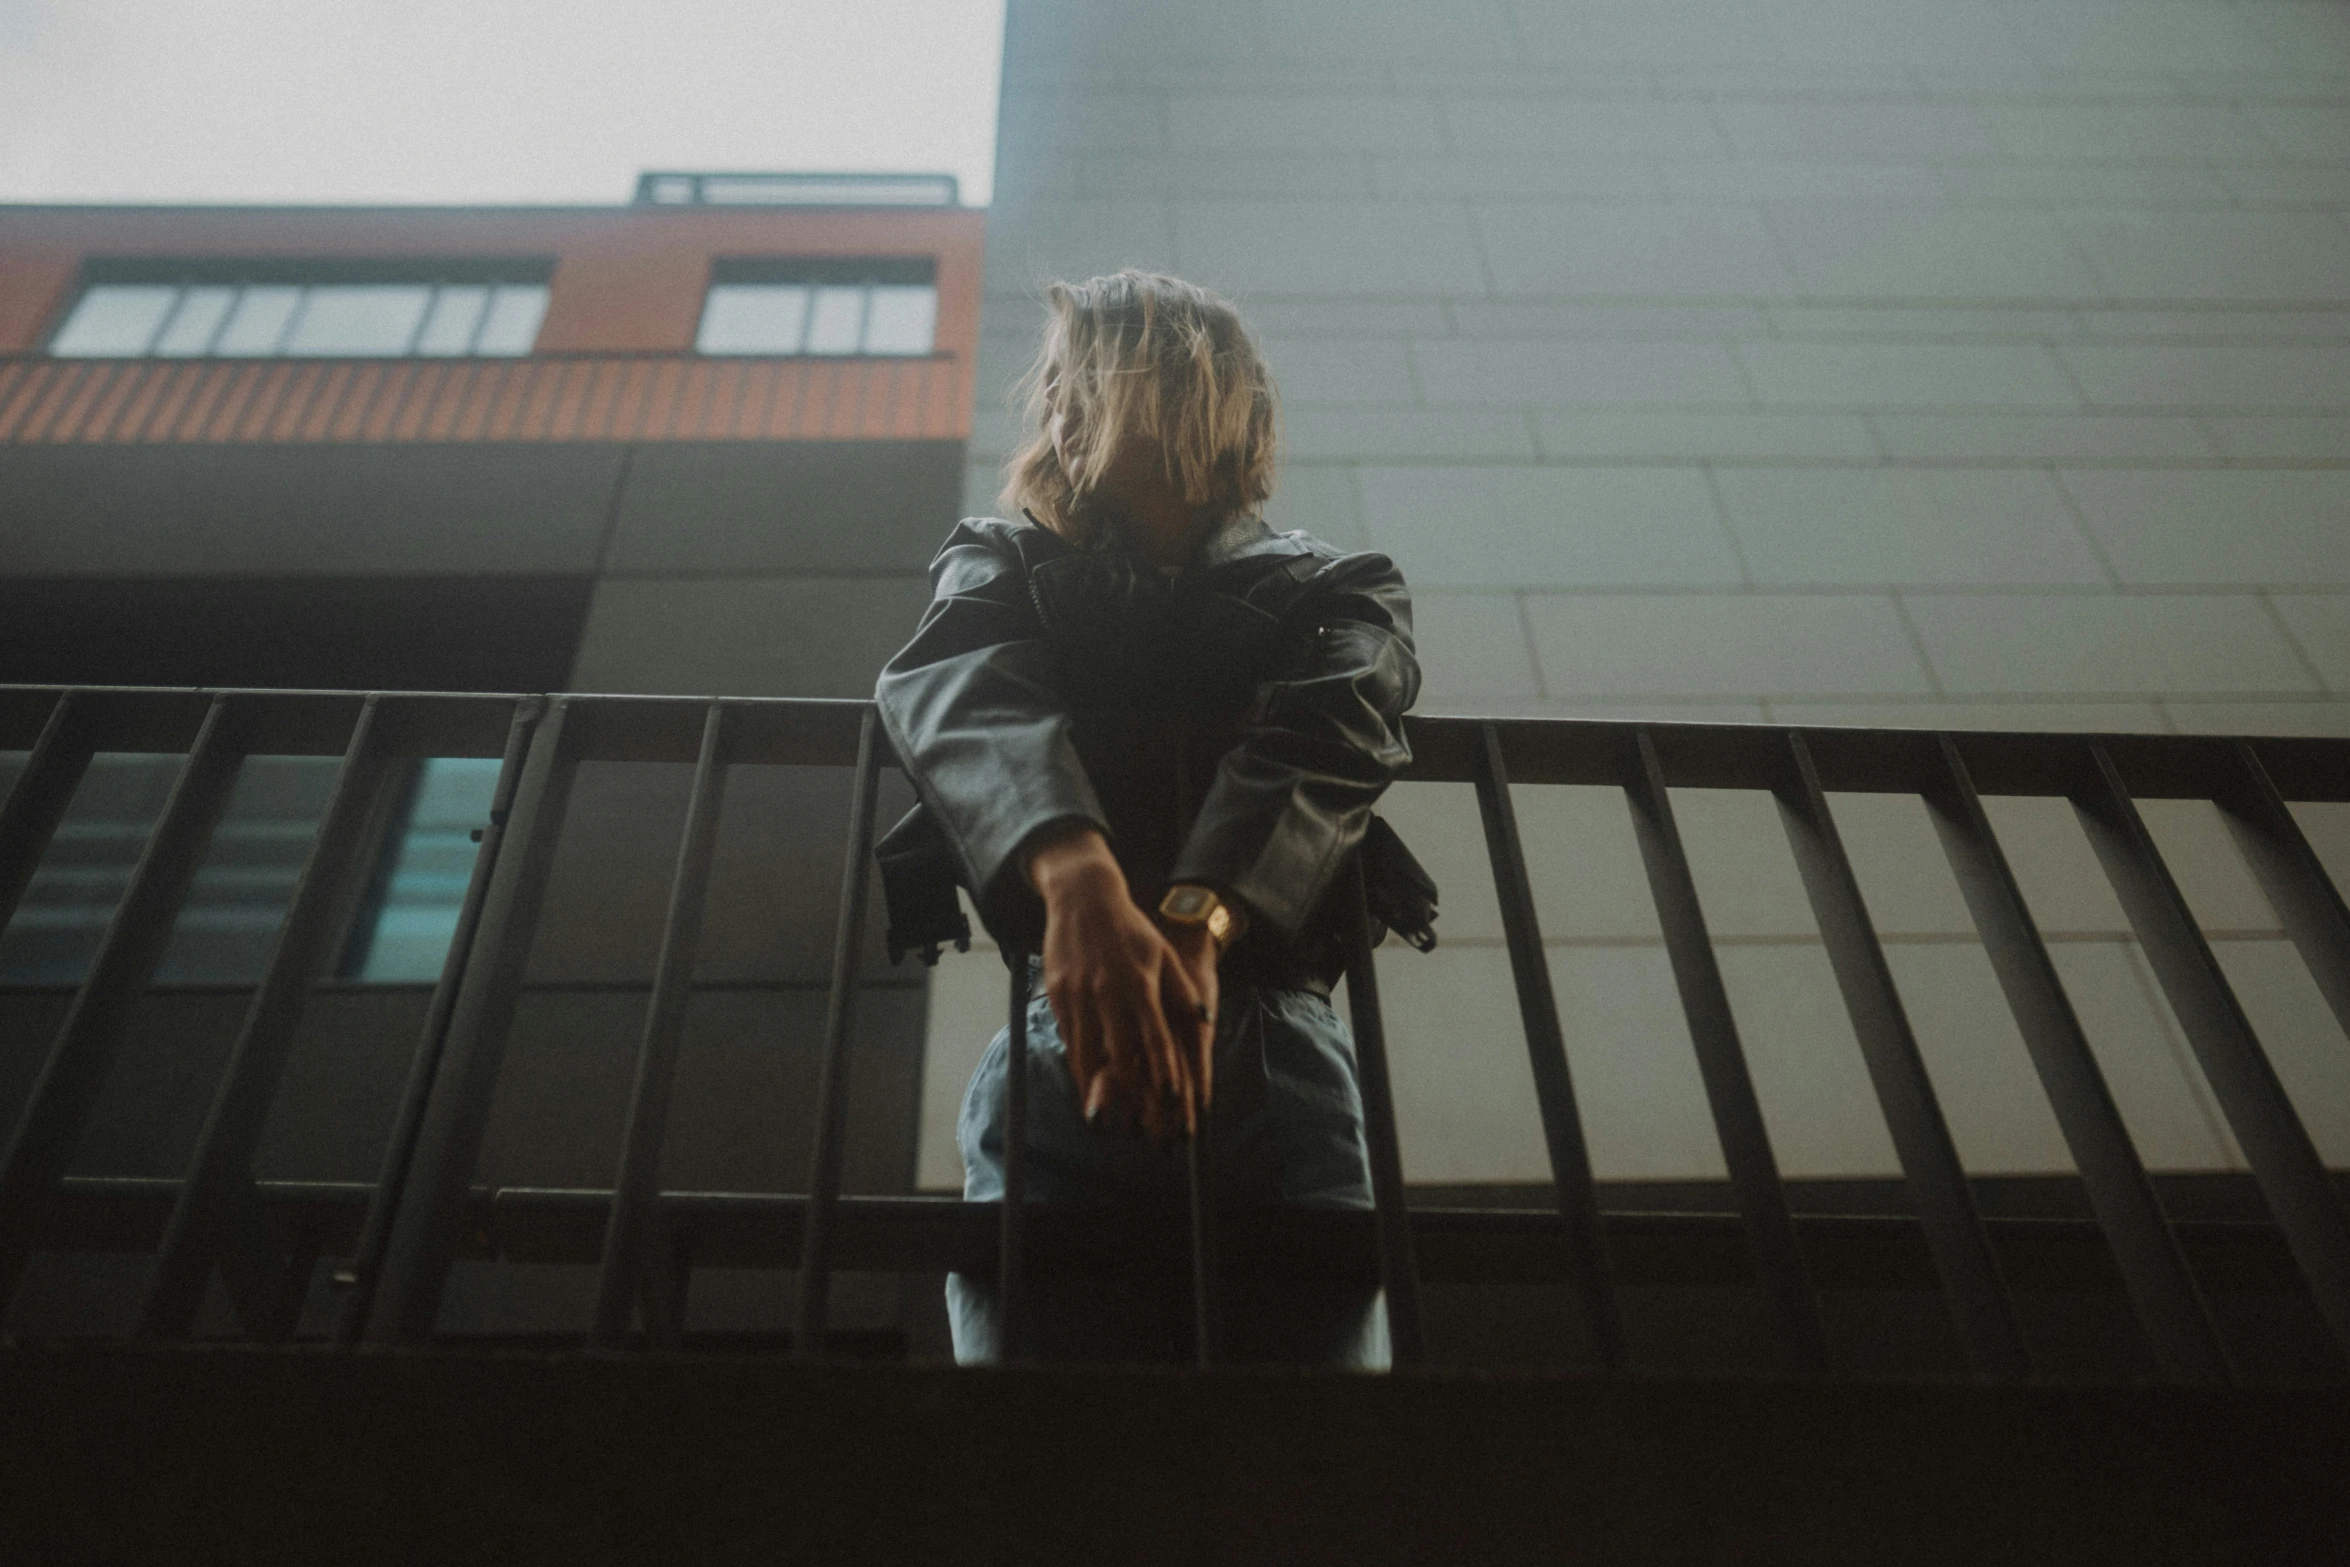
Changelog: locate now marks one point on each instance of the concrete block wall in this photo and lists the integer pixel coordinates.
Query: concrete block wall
(1972, 363)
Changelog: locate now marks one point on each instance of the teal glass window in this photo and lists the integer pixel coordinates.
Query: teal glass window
(406, 936)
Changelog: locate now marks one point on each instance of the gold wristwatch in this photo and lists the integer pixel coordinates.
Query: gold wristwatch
(1191, 904)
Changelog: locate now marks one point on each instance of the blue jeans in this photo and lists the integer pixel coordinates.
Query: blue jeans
(1287, 1127)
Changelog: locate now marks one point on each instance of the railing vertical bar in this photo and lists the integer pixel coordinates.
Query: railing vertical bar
(832, 1083)
(1929, 1159)
(631, 1224)
(456, 1113)
(1012, 1225)
(221, 1175)
(375, 1232)
(1198, 1162)
(2305, 898)
(1206, 1324)
(65, 1093)
(1399, 1270)
(256, 1286)
(2155, 1273)
(667, 1278)
(293, 1290)
(2284, 1161)
(1721, 1063)
(39, 799)
(1546, 1048)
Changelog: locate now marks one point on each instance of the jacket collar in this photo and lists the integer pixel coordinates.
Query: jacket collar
(1244, 537)
(1238, 538)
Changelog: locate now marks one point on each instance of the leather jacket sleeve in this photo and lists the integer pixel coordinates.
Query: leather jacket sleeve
(1320, 742)
(974, 709)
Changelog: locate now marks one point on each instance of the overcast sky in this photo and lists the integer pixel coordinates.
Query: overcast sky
(482, 100)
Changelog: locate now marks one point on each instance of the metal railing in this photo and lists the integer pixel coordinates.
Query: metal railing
(751, 188)
(402, 1232)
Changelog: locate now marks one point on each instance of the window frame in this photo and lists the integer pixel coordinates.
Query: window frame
(816, 275)
(240, 276)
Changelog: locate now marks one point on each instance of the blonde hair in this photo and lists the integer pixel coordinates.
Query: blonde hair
(1139, 353)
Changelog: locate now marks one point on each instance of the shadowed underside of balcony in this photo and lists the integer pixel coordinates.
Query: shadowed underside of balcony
(262, 1456)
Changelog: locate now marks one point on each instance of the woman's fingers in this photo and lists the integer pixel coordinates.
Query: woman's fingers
(1134, 1073)
(1122, 1068)
(1136, 1009)
(1074, 1040)
(1149, 1031)
(1138, 1027)
(1078, 1044)
(1145, 1065)
(1181, 994)
(1094, 1066)
(1111, 1084)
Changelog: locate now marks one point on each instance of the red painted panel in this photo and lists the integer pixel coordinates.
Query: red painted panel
(568, 398)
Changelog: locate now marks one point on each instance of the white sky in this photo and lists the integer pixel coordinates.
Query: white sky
(482, 100)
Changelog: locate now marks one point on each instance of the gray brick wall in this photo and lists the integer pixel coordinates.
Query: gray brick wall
(1929, 362)
(1980, 354)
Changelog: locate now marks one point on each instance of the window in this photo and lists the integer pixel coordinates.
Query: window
(228, 926)
(860, 308)
(405, 937)
(197, 318)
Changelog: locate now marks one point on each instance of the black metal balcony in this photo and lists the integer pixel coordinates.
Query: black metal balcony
(392, 1242)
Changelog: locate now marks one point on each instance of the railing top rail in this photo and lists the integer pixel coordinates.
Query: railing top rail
(1865, 760)
(822, 731)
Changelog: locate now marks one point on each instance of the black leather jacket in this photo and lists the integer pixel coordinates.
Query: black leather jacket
(1229, 725)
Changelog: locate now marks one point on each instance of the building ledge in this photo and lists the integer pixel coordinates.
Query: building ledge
(570, 397)
(263, 1456)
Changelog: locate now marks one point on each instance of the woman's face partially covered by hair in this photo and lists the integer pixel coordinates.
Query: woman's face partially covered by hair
(1143, 383)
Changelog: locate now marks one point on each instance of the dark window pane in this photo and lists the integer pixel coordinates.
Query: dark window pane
(227, 927)
(81, 878)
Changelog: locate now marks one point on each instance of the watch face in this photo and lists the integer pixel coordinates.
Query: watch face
(1187, 903)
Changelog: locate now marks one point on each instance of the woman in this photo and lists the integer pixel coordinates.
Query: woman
(1149, 730)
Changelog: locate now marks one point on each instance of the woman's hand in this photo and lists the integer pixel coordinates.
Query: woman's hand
(1128, 1004)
